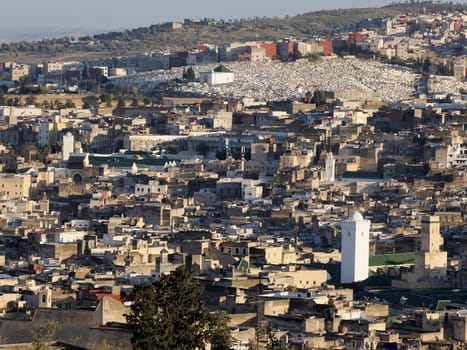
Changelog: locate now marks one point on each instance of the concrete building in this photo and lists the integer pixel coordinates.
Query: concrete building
(355, 248)
(220, 75)
(430, 268)
(451, 156)
(19, 71)
(53, 66)
(154, 187)
(330, 167)
(15, 186)
(67, 145)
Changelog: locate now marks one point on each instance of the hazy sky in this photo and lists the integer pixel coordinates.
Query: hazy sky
(117, 14)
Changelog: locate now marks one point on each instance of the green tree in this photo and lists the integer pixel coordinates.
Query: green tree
(45, 104)
(30, 100)
(318, 97)
(13, 101)
(107, 99)
(220, 336)
(69, 104)
(57, 104)
(426, 65)
(46, 151)
(170, 315)
(135, 102)
(121, 103)
(202, 148)
(189, 74)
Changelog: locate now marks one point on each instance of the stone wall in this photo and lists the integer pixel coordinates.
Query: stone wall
(83, 328)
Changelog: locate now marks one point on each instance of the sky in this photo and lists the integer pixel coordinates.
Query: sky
(121, 14)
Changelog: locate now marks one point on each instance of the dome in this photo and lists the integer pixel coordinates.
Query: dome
(356, 216)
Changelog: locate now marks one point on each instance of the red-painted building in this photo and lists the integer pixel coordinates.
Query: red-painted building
(202, 48)
(271, 49)
(354, 37)
(92, 297)
(430, 25)
(326, 44)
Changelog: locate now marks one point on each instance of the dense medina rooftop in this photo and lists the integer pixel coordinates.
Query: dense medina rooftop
(269, 80)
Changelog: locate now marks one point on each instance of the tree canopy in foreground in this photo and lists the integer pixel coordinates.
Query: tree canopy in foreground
(170, 314)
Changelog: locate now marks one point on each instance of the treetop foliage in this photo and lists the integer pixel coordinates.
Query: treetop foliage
(170, 314)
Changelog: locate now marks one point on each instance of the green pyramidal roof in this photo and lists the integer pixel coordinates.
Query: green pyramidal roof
(222, 69)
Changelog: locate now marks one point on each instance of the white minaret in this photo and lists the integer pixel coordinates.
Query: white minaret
(355, 246)
(68, 145)
(330, 167)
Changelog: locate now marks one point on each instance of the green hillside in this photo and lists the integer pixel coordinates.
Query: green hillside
(159, 37)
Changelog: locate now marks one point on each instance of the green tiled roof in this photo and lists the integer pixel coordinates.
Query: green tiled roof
(434, 299)
(206, 256)
(222, 69)
(392, 259)
(127, 162)
(361, 175)
(76, 159)
(120, 162)
(442, 303)
(243, 265)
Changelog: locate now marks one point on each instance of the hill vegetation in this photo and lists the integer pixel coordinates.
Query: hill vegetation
(162, 37)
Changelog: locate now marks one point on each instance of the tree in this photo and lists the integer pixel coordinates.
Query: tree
(135, 102)
(30, 100)
(57, 104)
(121, 103)
(202, 148)
(107, 99)
(220, 337)
(46, 151)
(189, 74)
(426, 65)
(45, 104)
(43, 337)
(318, 97)
(69, 104)
(170, 315)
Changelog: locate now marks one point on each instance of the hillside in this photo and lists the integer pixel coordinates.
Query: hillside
(160, 37)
